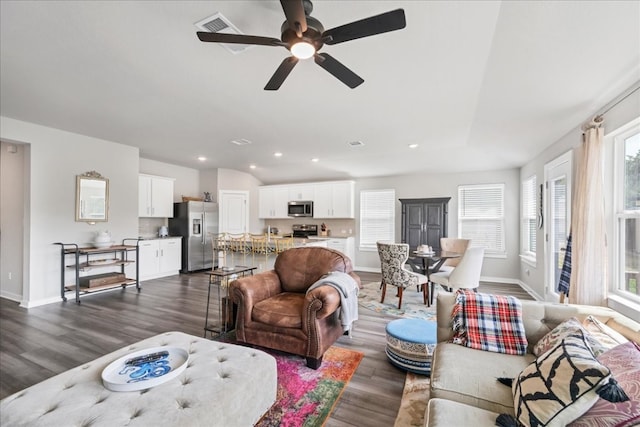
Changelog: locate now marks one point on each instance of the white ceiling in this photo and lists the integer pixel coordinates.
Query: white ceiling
(478, 85)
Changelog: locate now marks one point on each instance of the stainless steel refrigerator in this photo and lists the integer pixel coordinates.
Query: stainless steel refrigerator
(195, 222)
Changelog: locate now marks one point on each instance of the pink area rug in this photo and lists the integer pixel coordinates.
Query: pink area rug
(305, 396)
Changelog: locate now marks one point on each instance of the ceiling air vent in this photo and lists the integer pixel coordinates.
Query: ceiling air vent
(241, 141)
(355, 143)
(217, 23)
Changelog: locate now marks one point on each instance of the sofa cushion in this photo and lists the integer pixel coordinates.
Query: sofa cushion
(447, 413)
(283, 310)
(606, 335)
(624, 363)
(560, 385)
(489, 322)
(560, 332)
(469, 376)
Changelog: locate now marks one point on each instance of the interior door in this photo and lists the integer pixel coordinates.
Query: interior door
(234, 212)
(557, 220)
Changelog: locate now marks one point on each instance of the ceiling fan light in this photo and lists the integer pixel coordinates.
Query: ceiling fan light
(303, 50)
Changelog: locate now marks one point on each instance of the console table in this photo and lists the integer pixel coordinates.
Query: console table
(221, 277)
(84, 260)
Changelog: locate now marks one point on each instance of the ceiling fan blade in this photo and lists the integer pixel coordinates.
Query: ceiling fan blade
(383, 23)
(294, 11)
(281, 73)
(238, 38)
(339, 71)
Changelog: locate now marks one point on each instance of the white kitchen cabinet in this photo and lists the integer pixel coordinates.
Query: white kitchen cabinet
(155, 196)
(344, 245)
(334, 200)
(301, 192)
(272, 201)
(159, 257)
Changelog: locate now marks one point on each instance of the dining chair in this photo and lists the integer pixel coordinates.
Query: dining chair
(260, 247)
(393, 257)
(220, 246)
(259, 244)
(452, 244)
(284, 243)
(466, 275)
(238, 245)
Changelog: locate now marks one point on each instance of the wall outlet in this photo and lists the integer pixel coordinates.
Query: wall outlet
(10, 275)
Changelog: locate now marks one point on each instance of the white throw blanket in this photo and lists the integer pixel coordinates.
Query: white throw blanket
(348, 289)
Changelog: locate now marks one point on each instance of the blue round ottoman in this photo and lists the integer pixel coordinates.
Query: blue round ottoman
(410, 344)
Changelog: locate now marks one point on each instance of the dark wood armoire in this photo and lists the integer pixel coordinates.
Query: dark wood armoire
(424, 221)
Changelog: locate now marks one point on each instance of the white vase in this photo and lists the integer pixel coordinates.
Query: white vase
(102, 240)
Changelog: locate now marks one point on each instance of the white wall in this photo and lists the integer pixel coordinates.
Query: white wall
(56, 157)
(209, 183)
(12, 198)
(619, 115)
(446, 185)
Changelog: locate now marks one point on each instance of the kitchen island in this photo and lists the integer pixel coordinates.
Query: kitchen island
(265, 261)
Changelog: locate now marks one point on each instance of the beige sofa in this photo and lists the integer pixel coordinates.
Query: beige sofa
(464, 389)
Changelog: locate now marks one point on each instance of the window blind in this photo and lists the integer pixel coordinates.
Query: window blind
(528, 226)
(481, 216)
(377, 217)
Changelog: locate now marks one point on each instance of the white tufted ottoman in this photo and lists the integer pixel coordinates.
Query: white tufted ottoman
(223, 385)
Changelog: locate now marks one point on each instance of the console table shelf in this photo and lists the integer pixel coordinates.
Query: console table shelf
(84, 261)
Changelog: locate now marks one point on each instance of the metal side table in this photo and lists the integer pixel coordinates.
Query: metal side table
(221, 278)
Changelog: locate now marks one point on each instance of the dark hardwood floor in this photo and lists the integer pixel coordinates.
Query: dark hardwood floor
(40, 342)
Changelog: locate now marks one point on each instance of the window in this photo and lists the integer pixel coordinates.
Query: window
(481, 217)
(377, 218)
(529, 218)
(627, 213)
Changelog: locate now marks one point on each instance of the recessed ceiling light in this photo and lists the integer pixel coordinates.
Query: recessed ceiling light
(202, 158)
(252, 166)
(413, 145)
(356, 143)
(315, 159)
(277, 154)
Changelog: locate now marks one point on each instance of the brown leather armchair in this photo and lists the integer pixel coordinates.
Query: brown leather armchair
(275, 311)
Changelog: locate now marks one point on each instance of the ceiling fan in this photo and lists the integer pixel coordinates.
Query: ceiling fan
(304, 36)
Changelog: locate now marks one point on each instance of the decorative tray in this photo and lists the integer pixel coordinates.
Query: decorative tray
(145, 369)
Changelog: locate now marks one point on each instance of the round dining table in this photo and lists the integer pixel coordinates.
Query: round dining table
(431, 263)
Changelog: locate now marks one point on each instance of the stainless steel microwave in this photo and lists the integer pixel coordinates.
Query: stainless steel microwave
(300, 208)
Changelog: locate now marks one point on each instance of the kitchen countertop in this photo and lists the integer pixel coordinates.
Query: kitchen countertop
(328, 237)
(158, 238)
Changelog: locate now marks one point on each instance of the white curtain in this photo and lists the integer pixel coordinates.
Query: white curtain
(589, 256)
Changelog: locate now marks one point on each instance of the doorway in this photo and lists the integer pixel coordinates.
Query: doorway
(557, 223)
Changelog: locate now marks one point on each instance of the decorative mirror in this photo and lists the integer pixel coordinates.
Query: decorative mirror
(92, 197)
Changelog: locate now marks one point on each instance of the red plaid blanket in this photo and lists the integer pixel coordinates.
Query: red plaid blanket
(489, 322)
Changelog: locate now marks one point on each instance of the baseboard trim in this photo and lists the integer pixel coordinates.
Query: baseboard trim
(367, 269)
(11, 296)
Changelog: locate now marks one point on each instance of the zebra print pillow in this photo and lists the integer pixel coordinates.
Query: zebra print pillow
(562, 384)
